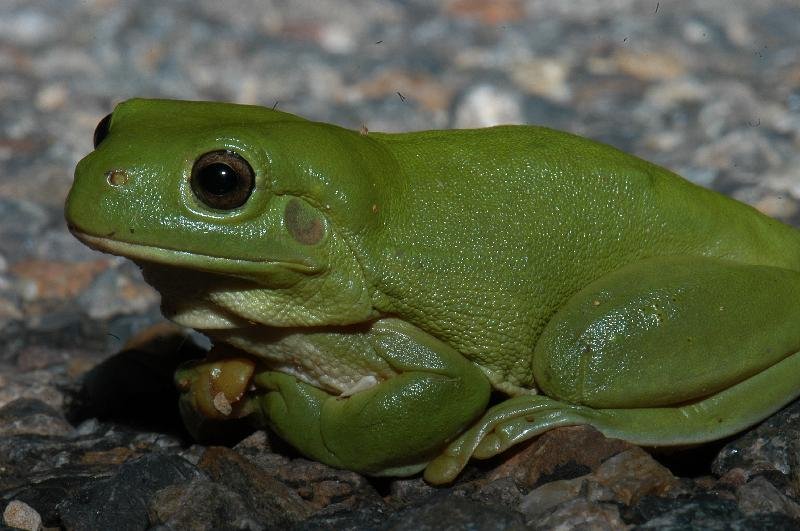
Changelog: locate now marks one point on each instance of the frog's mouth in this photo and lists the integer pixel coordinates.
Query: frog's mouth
(189, 260)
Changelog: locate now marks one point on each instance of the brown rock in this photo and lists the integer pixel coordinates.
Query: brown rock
(114, 456)
(650, 65)
(735, 477)
(425, 90)
(490, 13)
(323, 486)
(761, 496)
(317, 484)
(570, 451)
(156, 338)
(58, 280)
(633, 474)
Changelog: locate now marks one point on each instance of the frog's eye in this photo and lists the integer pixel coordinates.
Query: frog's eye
(101, 131)
(222, 180)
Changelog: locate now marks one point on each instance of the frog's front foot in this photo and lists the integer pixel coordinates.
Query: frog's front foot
(214, 388)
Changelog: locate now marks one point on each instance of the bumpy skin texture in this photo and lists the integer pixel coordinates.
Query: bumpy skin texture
(376, 286)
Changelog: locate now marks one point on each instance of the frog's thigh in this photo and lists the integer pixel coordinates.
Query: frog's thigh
(667, 331)
(662, 352)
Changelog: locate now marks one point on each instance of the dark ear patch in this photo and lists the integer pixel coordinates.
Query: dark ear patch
(303, 223)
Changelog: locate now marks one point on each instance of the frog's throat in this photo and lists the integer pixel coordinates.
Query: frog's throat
(173, 257)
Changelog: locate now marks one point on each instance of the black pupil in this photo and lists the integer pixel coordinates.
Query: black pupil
(218, 179)
(101, 131)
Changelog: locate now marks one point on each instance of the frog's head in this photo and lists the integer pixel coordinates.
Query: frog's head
(234, 200)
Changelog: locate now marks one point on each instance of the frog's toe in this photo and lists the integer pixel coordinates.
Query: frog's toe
(513, 431)
(444, 468)
(490, 446)
(215, 389)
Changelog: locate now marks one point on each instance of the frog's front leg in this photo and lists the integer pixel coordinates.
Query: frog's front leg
(392, 428)
(667, 351)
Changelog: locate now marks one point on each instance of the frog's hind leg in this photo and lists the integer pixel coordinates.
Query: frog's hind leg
(663, 352)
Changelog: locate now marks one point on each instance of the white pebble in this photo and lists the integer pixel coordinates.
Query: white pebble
(22, 516)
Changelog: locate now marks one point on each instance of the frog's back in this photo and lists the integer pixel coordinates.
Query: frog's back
(499, 226)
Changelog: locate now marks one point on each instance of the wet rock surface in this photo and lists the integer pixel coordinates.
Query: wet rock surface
(90, 436)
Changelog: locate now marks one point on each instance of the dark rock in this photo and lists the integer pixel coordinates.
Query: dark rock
(650, 507)
(121, 501)
(404, 491)
(45, 490)
(268, 499)
(42, 471)
(449, 512)
(365, 518)
(204, 505)
(772, 449)
(318, 484)
(503, 491)
(705, 513)
(760, 496)
(22, 455)
(561, 471)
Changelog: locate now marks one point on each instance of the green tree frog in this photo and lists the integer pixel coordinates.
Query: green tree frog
(367, 293)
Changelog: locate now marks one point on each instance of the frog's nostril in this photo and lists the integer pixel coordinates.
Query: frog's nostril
(116, 177)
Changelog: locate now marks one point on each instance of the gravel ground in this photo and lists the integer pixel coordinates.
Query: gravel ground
(89, 436)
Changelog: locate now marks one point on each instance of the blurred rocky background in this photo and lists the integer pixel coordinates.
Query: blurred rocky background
(89, 437)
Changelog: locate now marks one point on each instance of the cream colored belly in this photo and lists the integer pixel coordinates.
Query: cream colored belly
(340, 362)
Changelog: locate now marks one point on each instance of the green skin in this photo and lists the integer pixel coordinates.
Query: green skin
(375, 289)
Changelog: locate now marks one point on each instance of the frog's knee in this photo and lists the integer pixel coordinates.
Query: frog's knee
(600, 367)
(563, 370)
